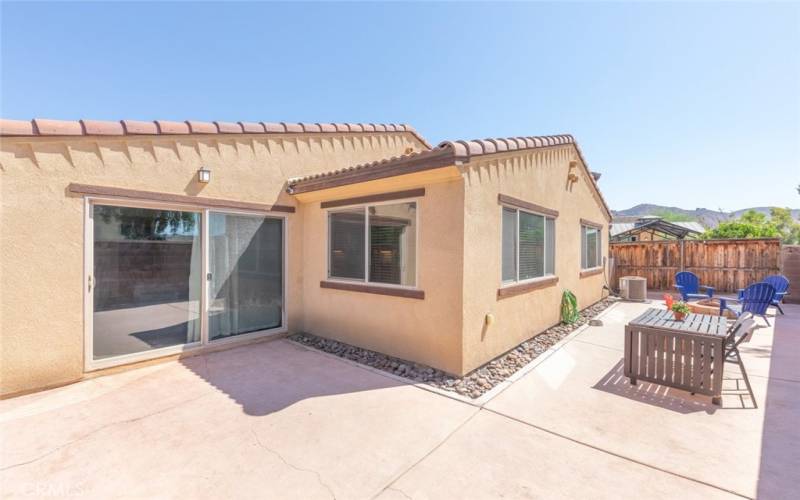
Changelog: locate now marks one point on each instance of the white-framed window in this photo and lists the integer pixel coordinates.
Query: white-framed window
(374, 243)
(529, 245)
(591, 247)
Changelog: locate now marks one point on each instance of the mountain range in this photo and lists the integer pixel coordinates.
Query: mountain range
(707, 217)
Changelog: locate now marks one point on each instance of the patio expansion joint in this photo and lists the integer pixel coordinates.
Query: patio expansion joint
(98, 430)
(617, 455)
(394, 488)
(599, 345)
(390, 485)
(291, 465)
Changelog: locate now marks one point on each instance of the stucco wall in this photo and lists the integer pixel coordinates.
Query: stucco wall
(41, 238)
(426, 331)
(538, 177)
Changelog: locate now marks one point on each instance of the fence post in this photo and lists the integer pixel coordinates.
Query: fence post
(681, 267)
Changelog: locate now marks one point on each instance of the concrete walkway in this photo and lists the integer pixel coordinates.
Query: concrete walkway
(275, 420)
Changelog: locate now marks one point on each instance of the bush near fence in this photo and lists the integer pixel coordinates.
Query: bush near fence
(727, 265)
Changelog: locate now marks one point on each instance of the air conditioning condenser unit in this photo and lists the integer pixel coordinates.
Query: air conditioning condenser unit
(633, 288)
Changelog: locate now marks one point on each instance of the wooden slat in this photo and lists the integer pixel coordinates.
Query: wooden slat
(669, 362)
(651, 355)
(718, 366)
(642, 353)
(697, 364)
(688, 349)
(630, 355)
(790, 266)
(707, 363)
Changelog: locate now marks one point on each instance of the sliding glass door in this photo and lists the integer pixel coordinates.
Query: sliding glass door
(161, 280)
(147, 279)
(246, 269)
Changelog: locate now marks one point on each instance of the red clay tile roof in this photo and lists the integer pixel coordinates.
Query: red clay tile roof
(42, 127)
(446, 153)
(454, 150)
(409, 161)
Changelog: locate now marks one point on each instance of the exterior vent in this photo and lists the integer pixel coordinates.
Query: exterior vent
(633, 288)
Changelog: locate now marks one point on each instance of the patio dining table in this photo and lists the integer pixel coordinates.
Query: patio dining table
(687, 354)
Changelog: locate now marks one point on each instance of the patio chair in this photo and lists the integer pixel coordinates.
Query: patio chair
(781, 285)
(741, 319)
(754, 299)
(737, 334)
(689, 286)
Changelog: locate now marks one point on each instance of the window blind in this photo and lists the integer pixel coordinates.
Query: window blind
(392, 245)
(531, 246)
(550, 242)
(347, 243)
(509, 244)
(590, 247)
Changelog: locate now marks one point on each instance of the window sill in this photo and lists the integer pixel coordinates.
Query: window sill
(408, 293)
(520, 288)
(591, 272)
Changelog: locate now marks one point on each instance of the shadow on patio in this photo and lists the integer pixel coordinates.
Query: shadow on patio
(266, 377)
(615, 382)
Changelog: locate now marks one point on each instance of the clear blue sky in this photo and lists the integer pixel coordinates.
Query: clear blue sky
(685, 105)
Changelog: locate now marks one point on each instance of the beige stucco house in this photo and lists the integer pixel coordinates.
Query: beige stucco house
(125, 242)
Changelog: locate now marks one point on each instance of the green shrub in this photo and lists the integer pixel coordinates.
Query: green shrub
(569, 308)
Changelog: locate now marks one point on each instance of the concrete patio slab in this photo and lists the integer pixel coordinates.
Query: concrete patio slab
(492, 456)
(274, 419)
(581, 394)
(257, 421)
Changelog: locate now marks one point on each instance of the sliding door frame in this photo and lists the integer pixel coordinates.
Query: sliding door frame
(207, 268)
(90, 364)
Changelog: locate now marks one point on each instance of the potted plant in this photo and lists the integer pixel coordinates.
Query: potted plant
(680, 310)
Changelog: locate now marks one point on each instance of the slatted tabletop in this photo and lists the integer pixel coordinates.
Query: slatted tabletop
(702, 324)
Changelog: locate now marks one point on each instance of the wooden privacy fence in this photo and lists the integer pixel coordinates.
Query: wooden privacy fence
(727, 265)
(790, 266)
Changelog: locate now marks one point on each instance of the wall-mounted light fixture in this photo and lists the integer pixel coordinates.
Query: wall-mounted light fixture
(204, 176)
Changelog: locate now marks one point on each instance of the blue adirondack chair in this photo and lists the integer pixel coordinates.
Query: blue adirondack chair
(781, 285)
(755, 299)
(689, 286)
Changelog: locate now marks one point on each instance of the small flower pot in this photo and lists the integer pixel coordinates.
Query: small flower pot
(679, 315)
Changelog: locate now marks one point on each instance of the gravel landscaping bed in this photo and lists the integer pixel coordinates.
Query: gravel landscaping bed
(476, 383)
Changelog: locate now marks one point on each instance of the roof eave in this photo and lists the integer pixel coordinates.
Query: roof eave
(429, 160)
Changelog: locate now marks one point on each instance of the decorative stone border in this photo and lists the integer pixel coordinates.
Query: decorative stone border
(473, 385)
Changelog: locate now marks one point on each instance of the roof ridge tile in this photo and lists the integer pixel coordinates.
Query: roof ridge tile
(169, 127)
(98, 127)
(49, 127)
(57, 127)
(228, 128)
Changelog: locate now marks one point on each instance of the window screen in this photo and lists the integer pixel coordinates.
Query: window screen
(509, 244)
(531, 246)
(528, 245)
(591, 253)
(380, 239)
(550, 246)
(392, 244)
(347, 244)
